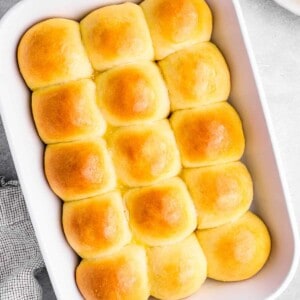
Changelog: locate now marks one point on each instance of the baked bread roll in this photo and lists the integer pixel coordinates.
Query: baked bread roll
(221, 193)
(80, 169)
(96, 226)
(196, 76)
(51, 52)
(145, 154)
(176, 271)
(161, 214)
(123, 275)
(67, 112)
(237, 250)
(132, 94)
(209, 135)
(116, 34)
(175, 25)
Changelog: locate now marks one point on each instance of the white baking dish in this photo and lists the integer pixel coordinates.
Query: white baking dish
(271, 197)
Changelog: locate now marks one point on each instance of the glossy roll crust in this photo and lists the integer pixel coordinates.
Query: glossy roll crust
(145, 154)
(132, 94)
(115, 35)
(79, 170)
(175, 25)
(237, 250)
(51, 52)
(119, 276)
(196, 76)
(161, 214)
(209, 135)
(220, 193)
(67, 112)
(176, 271)
(96, 226)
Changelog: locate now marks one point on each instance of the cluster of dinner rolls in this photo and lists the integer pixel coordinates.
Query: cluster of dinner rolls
(143, 149)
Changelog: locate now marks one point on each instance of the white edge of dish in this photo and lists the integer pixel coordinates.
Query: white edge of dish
(279, 162)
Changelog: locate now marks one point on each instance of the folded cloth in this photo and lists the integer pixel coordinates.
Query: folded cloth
(20, 257)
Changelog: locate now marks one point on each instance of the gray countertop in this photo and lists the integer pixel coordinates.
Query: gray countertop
(275, 36)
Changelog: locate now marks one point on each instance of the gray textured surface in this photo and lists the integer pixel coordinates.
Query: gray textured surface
(275, 37)
(7, 168)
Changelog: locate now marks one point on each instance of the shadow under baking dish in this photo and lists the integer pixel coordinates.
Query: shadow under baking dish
(270, 198)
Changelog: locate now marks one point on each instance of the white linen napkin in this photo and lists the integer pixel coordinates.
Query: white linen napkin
(20, 257)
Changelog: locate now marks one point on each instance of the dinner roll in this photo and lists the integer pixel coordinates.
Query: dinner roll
(209, 135)
(123, 275)
(67, 112)
(80, 169)
(237, 250)
(115, 35)
(161, 214)
(177, 24)
(196, 76)
(221, 193)
(96, 226)
(51, 52)
(176, 271)
(133, 94)
(145, 154)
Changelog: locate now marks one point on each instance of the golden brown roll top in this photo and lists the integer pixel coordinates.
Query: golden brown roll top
(177, 24)
(237, 250)
(67, 112)
(161, 214)
(145, 154)
(176, 271)
(51, 52)
(209, 135)
(79, 170)
(132, 94)
(96, 226)
(116, 34)
(221, 193)
(121, 276)
(196, 76)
